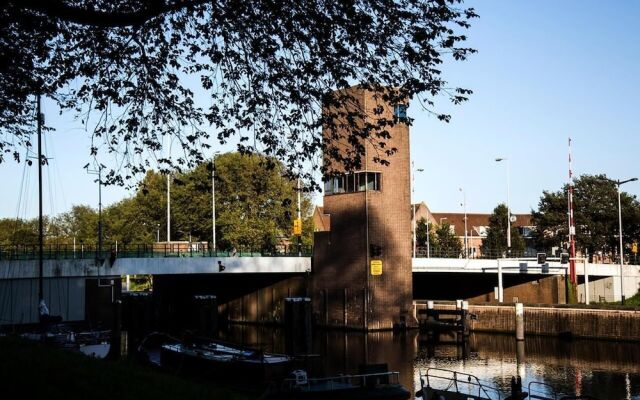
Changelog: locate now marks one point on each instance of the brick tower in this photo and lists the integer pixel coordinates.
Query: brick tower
(362, 276)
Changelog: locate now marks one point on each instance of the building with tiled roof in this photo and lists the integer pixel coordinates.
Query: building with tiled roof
(477, 224)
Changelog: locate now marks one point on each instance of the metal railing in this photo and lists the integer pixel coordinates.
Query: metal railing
(459, 383)
(435, 252)
(344, 381)
(155, 250)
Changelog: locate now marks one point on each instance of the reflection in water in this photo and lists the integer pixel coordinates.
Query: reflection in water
(607, 370)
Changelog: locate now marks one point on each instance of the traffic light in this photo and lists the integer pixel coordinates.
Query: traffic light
(542, 258)
(375, 250)
(564, 258)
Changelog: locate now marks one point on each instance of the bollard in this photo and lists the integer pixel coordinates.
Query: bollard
(519, 321)
(465, 318)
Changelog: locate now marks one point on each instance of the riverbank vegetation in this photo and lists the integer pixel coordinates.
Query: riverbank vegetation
(34, 371)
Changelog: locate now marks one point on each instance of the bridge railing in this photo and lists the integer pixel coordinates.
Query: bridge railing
(145, 250)
(435, 252)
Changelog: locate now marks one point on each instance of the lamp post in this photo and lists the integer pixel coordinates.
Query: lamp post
(442, 219)
(618, 183)
(213, 201)
(506, 160)
(466, 241)
(413, 206)
(98, 171)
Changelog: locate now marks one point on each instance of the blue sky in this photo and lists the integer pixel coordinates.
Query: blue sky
(545, 70)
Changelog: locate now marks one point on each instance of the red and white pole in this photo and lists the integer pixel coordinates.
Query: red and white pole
(572, 226)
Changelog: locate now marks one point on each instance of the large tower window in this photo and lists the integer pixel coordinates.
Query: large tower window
(354, 182)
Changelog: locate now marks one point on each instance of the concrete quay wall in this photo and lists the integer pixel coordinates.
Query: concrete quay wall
(618, 324)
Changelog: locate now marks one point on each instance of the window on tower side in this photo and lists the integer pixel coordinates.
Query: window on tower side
(400, 112)
(353, 182)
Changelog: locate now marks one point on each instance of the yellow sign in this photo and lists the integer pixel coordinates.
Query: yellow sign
(376, 267)
(297, 227)
(634, 248)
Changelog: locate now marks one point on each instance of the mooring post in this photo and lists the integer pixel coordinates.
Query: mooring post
(519, 321)
(465, 318)
(586, 281)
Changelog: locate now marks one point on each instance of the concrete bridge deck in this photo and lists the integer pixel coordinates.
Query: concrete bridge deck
(17, 269)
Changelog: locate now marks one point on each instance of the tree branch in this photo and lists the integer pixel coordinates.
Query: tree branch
(107, 19)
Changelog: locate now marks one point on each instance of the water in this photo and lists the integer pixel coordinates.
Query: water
(603, 369)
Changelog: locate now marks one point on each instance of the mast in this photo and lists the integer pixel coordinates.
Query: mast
(572, 227)
(40, 224)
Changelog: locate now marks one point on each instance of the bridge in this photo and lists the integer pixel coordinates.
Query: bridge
(73, 275)
(141, 260)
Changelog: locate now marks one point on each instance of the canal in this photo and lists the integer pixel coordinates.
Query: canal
(603, 369)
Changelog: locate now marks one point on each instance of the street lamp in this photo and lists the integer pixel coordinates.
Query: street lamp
(213, 200)
(97, 170)
(466, 241)
(499, 159)
(413, 205)
(618, 183)
(442, 219)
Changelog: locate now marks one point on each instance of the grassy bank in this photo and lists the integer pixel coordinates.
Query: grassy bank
(32, 370)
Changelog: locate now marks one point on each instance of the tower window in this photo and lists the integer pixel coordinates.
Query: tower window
(354, 182)
(400, 112)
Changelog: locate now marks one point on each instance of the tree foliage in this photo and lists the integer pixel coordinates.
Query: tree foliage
(447, 243)
(422, 236)
(495, 243)
(255, 207)
(443, 241)
(259, 72)
(595, 205)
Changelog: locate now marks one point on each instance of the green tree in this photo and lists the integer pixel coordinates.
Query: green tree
(421, 234)
(495, 244)
(80, 222)
(595, 200)
(447, 243)
(17, 231)
(264, 69)
(255, 205)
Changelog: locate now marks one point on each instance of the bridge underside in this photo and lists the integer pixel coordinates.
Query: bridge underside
(240, 297)
(480, 288)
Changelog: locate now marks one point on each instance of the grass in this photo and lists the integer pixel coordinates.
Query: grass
(32, 370)
(630, 301)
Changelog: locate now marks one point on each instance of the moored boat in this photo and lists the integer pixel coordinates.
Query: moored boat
(214, 360)
(443, 384)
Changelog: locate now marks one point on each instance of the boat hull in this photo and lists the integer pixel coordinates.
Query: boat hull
(222, 367)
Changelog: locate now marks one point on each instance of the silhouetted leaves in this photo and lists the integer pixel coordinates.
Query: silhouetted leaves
(134, 69)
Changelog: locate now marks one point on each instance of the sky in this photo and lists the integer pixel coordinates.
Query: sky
(545, 71)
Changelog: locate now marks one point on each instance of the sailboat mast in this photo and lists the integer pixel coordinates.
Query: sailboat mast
(40, 224)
